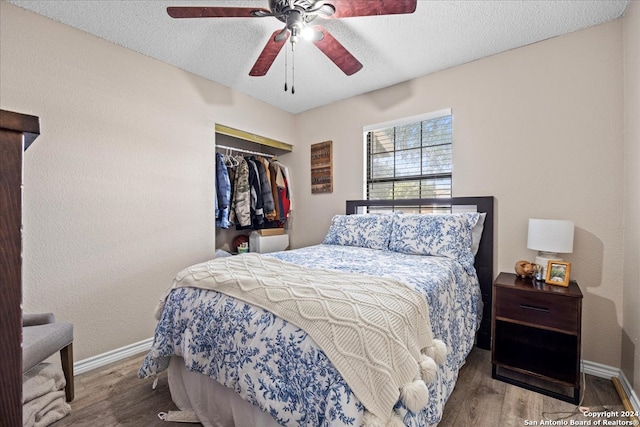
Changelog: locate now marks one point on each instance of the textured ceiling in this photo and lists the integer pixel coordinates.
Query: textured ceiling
(392, 49)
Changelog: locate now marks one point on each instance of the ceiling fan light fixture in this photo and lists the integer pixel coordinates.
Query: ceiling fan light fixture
(311, 34)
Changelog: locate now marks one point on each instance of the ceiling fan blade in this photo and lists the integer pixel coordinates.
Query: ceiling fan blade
(268, 54)
(213, 12)
(351, 8)
(337, 53)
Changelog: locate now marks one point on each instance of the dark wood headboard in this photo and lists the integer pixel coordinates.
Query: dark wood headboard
(484, 257)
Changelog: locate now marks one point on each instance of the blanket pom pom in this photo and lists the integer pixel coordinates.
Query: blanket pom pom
(415, 395)
(440, 351)
(428, 369)
(395, 421)
(429, 351)
(370, 420)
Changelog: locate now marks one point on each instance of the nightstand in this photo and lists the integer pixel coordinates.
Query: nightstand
(536, 336)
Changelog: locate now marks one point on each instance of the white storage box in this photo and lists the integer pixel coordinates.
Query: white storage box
(266, 244)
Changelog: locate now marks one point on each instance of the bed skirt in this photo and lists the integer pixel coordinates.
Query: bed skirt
(214, 404)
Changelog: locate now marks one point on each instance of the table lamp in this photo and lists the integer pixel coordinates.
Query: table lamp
(550, 237)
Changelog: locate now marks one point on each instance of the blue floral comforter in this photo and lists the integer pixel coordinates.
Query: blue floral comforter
(279, 368)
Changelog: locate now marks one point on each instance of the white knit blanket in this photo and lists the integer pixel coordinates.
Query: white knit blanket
(372, 328)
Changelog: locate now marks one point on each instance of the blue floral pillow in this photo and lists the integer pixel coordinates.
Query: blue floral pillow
(371, 231)
(446, 235)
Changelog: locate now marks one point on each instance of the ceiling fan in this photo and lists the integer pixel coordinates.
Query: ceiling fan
(296, 15)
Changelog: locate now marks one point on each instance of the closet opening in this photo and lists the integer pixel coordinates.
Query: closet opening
(252, 192)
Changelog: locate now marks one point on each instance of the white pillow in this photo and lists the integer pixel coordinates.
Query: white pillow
(476, 233)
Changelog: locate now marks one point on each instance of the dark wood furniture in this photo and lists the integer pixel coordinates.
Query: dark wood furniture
(17, 132)
(484, 257)
(536, 336)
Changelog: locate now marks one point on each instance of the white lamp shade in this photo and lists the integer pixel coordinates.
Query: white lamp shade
(550, 235)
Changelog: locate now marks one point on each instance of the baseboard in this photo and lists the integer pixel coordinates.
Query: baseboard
(599, 370)
(605, 371)
(116, 355)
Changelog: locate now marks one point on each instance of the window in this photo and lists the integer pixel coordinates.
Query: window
(410, 159)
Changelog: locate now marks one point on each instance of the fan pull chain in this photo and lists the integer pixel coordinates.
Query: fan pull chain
(285, 69)
(293, 72)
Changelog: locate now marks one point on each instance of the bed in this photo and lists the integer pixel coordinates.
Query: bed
(233, 359)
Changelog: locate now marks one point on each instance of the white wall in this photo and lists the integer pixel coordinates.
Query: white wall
(540, 128)
(631, 323)
(118, 187)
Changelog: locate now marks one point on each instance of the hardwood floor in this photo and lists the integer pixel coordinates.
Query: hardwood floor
(115, 396)
(479, 400)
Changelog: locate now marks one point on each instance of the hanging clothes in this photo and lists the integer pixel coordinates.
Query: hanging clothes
(240, 213)
(273, 171)
(265, 187)
(223, 193)
(285, 199)
(258, 194)
(231, 164)
(286, 177)
(257, 210)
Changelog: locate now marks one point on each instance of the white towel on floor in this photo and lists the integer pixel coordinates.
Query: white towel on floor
(43, 397)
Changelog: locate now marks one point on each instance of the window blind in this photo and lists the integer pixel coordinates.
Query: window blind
(410, 160)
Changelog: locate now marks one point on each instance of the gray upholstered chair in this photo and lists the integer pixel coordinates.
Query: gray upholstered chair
(43, 336)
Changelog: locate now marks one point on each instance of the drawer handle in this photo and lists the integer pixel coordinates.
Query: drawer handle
(533, 307)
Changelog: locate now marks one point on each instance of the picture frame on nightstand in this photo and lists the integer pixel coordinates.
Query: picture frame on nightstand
(558, 273)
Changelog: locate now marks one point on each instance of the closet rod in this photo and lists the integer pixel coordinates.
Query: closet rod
(242, 150)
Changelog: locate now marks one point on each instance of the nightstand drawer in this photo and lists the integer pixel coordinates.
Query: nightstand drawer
(537, 308)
